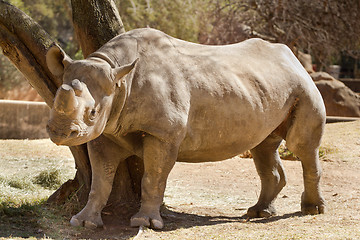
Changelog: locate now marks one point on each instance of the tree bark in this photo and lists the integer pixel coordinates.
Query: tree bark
(25, 43)
(95, 23)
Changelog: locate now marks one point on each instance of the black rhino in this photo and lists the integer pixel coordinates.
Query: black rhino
(164, 100)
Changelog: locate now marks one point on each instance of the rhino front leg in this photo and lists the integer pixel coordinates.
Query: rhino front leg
(272, 176)
(105, 157)
(159, 159)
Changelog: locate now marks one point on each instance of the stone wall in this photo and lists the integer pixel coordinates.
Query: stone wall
(23, 119)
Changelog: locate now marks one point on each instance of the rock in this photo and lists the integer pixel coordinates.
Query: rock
(339, 99)
(317, 76)
(306, 61)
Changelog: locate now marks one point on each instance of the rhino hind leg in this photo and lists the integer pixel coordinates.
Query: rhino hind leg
(303, 139)
(272, 176)
(159, 159)
(105, 157)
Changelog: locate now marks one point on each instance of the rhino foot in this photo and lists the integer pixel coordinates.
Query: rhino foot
(147, 220)
(312, 207)
(261, 212)
(78, 221)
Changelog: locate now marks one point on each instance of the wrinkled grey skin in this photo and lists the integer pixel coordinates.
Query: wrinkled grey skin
(147, 94)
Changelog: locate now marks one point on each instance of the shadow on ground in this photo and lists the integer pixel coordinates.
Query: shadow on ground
(21, 222)
(174, 220)
(40, 221)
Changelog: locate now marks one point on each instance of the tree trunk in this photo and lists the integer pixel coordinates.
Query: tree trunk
(95, 23)
(25, 43)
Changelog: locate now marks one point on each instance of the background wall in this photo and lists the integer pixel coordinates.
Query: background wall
(23, 119)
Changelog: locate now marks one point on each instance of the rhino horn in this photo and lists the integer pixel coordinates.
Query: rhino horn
(65, 100)
(78, 87)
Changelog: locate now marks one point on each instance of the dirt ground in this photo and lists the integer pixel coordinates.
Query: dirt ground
(209, 200)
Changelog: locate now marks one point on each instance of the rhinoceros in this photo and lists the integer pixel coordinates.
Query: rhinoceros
(164, 100)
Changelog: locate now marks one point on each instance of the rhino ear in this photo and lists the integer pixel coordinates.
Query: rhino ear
(120, 72)
(57, 60)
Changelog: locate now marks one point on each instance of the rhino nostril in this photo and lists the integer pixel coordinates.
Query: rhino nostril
(73, 134)
(74, 131)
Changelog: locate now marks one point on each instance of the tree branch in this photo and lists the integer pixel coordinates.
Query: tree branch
(25, 43)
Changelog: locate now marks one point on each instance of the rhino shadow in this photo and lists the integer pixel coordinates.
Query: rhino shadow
(24, 222)
(176, 220)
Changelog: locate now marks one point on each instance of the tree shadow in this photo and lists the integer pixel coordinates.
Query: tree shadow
(20, 221)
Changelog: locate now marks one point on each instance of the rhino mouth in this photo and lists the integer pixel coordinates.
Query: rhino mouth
(66, 136)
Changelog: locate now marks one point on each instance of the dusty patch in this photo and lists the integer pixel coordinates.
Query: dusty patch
(209, 200)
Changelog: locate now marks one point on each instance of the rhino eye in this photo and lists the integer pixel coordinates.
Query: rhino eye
(92, 114)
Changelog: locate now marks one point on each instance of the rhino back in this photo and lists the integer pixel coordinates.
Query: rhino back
(216, 100)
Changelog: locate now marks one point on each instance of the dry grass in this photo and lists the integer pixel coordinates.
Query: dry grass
(30, 171)
(204, 201)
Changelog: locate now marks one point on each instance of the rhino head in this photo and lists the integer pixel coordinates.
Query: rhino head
(82, 103)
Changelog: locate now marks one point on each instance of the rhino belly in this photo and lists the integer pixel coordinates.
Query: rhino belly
(212, 152)
(221, 137)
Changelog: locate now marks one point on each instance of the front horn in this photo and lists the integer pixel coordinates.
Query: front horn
(65, 100)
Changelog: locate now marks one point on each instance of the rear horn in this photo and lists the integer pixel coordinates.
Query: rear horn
(78, 87)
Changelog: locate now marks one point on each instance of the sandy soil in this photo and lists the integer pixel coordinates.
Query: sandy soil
(209, 200)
